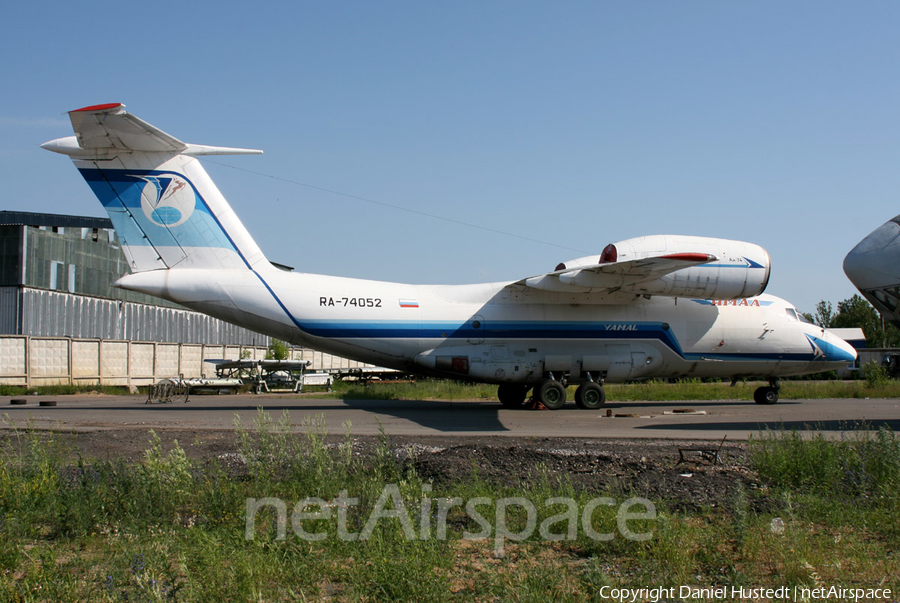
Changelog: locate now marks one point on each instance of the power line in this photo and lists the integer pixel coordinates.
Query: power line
(397, 207)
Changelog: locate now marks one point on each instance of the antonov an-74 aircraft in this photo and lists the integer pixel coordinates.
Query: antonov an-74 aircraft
(657, 306)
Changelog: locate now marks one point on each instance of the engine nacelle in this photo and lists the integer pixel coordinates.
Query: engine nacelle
(740, 270)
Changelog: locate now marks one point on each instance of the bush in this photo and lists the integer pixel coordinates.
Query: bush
(278, 350)
(876, 374)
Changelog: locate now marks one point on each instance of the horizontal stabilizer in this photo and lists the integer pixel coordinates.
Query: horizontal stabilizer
(101, 129)
(110, 127)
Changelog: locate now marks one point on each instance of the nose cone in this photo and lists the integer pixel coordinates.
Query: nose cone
(875, 262)
(831, 348)
(874, 267)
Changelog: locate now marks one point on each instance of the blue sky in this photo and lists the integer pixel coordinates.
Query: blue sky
(570, 125)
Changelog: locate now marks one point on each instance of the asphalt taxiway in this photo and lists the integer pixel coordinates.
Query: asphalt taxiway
(697, 419)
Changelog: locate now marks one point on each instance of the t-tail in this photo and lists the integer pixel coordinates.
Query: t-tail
(166, 210)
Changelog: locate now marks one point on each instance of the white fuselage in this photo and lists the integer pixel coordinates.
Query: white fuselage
(644, 307)
(502, 333)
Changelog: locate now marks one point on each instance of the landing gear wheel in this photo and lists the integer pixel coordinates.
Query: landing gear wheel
(551, 394)
(765, 395)
(512, 395)
(590, 396)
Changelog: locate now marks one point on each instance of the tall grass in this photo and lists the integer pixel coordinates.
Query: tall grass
(863, 466)
(169, 528)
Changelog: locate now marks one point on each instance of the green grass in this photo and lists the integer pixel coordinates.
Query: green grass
(857, 475)
(423, 389)
(445, 389)
(687, 389)
(694, 389)
(168, 528)
(63, 390)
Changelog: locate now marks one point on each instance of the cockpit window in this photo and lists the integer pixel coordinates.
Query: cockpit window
(791, 314)
(804, 319)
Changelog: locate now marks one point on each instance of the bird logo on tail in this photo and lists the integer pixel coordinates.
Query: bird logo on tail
(167, 200)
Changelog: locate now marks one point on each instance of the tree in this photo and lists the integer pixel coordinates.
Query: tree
(824, 316)
(857, 312)
(278, 350)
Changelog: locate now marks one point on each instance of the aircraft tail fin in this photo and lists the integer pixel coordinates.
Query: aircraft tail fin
(166, 210)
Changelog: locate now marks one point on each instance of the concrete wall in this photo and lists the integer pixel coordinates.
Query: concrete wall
(36, 361)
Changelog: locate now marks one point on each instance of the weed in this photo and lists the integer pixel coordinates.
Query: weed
(168, 528)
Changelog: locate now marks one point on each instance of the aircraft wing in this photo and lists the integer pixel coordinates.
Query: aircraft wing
(613, 276)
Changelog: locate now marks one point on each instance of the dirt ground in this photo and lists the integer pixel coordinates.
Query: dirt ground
(631, 467)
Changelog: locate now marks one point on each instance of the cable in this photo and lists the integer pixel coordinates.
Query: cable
(397, 207)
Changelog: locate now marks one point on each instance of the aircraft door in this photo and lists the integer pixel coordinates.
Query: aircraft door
(620, 362)
(638, 363)
(475, 328)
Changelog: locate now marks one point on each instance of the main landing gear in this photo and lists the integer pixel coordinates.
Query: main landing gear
(767, 394)
(551, 392)
(512, 395)
(590, 396)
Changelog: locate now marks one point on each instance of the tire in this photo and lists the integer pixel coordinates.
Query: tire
(47, 403)
(511, 395)
(551, 394)
(765, 395)
(590, 396)
(18, 401)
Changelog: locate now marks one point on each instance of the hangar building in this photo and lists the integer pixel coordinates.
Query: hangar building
(56, 275)
(62, 321)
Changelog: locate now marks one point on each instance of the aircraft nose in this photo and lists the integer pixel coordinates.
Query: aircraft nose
(872, 263)
(841, 350)
(831, 348)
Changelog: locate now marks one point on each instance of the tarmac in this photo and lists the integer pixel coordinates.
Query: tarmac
(682, 420)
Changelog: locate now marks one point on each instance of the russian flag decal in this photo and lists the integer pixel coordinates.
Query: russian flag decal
(409, 303)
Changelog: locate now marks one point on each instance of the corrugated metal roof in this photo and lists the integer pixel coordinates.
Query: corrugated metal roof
(59, 314)
(27, 218)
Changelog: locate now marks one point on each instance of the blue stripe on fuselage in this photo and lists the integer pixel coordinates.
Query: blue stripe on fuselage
(514, 330)
(491, 330)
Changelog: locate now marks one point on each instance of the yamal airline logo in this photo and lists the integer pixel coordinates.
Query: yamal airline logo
(167, 200)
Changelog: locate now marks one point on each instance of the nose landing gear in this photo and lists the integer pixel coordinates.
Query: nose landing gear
(767, 394)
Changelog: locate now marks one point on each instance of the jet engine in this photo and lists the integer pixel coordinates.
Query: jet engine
(715, 268)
